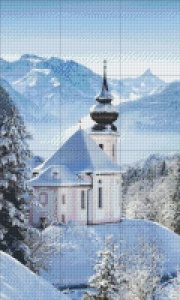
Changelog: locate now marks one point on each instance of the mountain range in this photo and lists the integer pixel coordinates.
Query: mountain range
(56, 93)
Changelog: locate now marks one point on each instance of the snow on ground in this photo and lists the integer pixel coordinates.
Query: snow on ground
(19, 283)
(73, 262)
(171, 291)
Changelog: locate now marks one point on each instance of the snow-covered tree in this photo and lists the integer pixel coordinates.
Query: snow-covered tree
(104, 282)
(42, 246)
(13, 189)
(139, 272)
(124, 275)
(155, 195)
(175, 291)
(176, 195)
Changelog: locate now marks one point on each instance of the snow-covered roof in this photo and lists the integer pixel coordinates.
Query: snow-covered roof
(103, 108)
(79, 154)
(57, 176)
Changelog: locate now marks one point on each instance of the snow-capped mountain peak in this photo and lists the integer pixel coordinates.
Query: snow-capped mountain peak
(53, 90)
(31, 57)
(148, 72)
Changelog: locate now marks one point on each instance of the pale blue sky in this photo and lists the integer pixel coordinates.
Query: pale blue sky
(132, 35)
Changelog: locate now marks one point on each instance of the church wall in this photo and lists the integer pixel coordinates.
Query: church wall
(111, 198)
(108, 141)
(56, 209)
(45, 204)
(71, 209)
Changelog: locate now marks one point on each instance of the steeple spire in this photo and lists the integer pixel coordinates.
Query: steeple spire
(105, 84)
(105, 95)
(104, 113)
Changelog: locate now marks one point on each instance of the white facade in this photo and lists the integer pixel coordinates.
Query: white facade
(44, 204)
(110, 209)
(108, 142)
(80, 204)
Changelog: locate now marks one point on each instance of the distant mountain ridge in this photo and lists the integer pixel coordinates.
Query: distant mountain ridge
(53, 95)
(53, 86)
(157, 112)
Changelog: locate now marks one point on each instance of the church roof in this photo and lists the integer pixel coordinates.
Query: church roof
(79, 154)
(57, 176)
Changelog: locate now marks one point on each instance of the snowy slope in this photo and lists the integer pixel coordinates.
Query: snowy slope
(19, 283)
(78, 245)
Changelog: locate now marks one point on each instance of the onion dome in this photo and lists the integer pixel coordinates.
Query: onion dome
(104, 113)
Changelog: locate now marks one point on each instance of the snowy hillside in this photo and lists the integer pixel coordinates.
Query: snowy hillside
(77, 246)
(19, 283)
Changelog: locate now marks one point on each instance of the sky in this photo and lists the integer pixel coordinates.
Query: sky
(132, 35)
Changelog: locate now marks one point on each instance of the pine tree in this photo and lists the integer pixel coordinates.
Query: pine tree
(104, 280)
(13, 189)
(176, 196)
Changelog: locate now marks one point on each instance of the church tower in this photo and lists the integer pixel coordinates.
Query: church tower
(104, 132)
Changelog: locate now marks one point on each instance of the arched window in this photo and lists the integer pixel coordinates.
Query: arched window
(43, 198)
(113, 150)
(63, 199)
(101, 146)
(63, 218)
(82, 199)
(100, 197)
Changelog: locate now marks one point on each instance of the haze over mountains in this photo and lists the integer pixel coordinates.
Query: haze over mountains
(53, 94)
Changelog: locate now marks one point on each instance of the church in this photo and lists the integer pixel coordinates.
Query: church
(82, 182)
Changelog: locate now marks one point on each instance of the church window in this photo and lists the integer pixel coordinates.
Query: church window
(100, 197)
(55, 174)
(63, 199)
(82, 199)
(35, 174)
(43, 199)
(63, 219)
(100, 181)
(101, 146)
(113, 151)
(43, 222)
